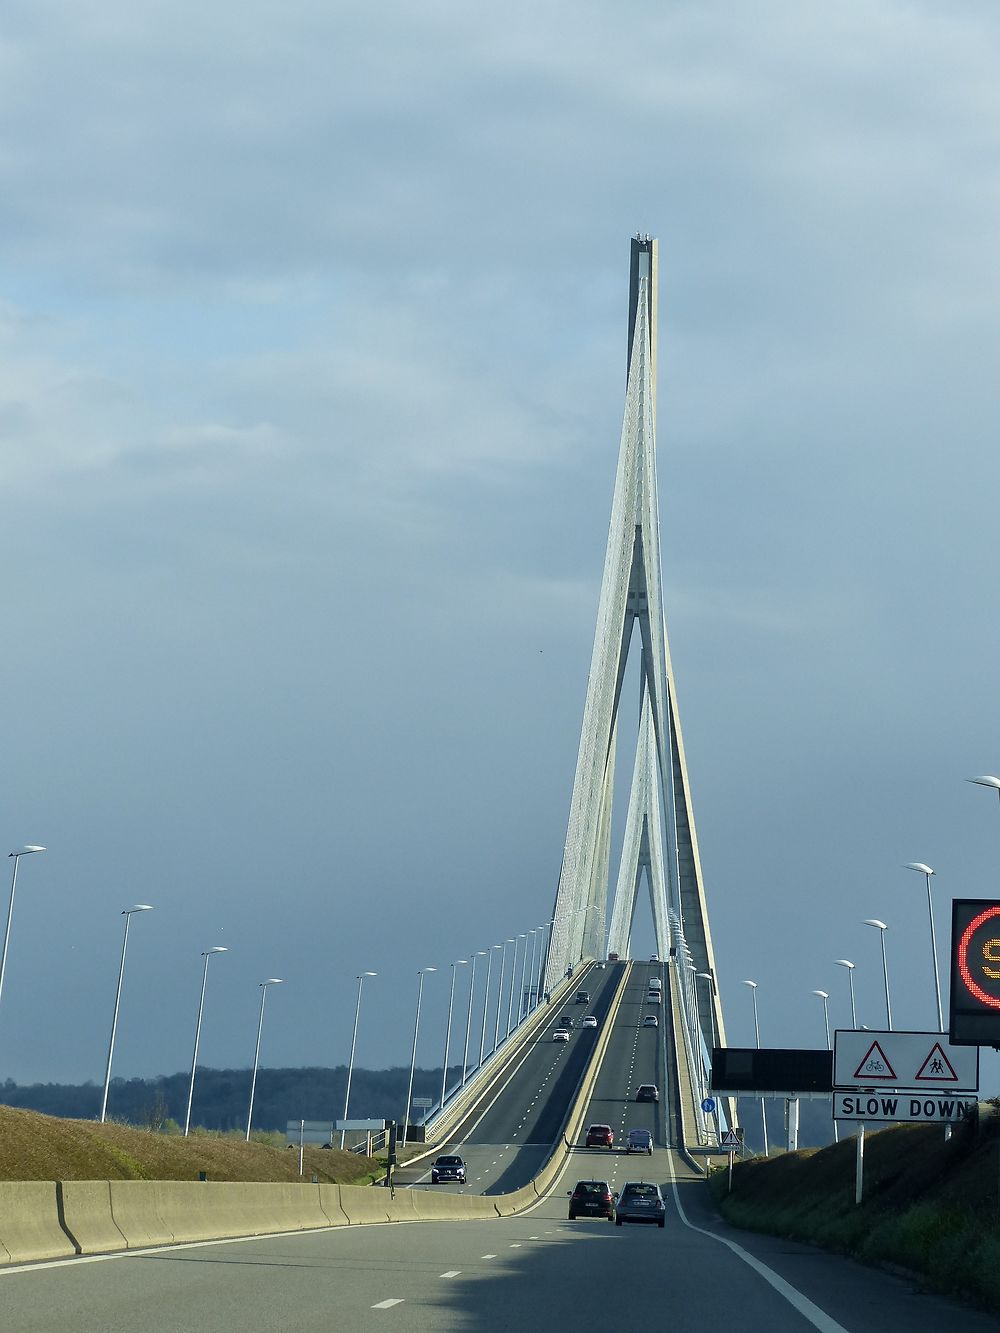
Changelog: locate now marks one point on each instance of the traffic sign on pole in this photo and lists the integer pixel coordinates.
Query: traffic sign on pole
(974, 1013)
(708, 1105)
(901, 1106)
(917, 1060)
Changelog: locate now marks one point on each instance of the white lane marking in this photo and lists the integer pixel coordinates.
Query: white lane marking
(387, 1305)
(487, 1256)
(516, 1245)
(817, 1317)
(452, 1272)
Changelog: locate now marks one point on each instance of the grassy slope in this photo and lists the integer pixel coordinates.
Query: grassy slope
(42, 1147)
(930, 1206)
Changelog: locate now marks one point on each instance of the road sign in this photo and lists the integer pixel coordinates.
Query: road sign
(732, 1140)
(423, 1103)
(708, 1105)
(309, 1131)
(923, 1061)
(974, 1013)
(361, 1124)
(901, 1106)
(746, 1069)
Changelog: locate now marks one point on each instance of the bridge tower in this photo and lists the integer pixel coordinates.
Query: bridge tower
(660, 842)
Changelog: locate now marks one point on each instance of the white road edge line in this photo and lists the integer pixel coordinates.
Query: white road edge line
(817, 1317)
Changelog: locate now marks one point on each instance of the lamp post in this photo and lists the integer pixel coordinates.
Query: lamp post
(459, 962)
(486, 999)
(520, 989)
(413, 1054)
(987, 780)
(926, 871)
(127, 914)
(480, 953)
(354, 1042)
(207, 955)
(531, 970)
(538, 965)
(510, 996)
(756, 1030)
(846, 962)
(24, 851)
(881, 927)
(824, 996)
(271, 981)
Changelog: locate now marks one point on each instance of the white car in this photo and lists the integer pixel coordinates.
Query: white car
(653, 997)
(589, 1022)
(560, 1034)
(650, 1021)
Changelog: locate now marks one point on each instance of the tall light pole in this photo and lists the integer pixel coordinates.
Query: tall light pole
(846, 962)
(271, 981)
(524, 963)
(824, 996)
(987, 780)
(531, 970)
(756, 1031)
(926, 871)
(413, 1055)
(354, 1042)
(881, 927)
(207, 955)
(127, 914)
(538, 966)
(24, 851)
(486, 1000)
(480, 953)
(510, 997)
(459, 962)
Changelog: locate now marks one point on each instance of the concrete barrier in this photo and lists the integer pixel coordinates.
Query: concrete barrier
(165, 1212)
(329, 1201)
(29, 1222)
(87, 1215)
(364, 1204)
(431, 1207)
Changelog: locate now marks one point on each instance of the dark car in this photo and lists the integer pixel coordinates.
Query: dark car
(647, 1092)
(600, 1136)
(566, 1021)
(448, 1168)
(592, 1198)
(640, 1202)
(583, 997)
(639, 1140)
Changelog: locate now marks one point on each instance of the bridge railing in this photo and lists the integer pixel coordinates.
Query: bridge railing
(693, 1038)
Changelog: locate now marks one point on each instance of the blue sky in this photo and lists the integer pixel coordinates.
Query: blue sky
(312, 325)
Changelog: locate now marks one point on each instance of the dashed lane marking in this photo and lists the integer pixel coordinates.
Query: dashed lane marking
(452, 1272)
(487, 1256)
(387, 1305)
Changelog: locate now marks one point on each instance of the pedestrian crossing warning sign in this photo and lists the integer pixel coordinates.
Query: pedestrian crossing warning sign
(875, 1066)
(937, 1068)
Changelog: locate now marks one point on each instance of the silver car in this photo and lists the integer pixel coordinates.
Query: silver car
(640, 1202)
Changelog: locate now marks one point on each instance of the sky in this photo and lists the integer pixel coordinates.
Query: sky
(312, 355)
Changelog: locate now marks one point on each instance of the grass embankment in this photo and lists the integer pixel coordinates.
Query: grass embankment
(44, 1147)
(930, 1206)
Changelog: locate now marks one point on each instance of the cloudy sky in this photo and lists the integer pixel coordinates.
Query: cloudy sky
(312, 325)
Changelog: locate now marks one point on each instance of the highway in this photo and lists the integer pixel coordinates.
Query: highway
(536, 1271)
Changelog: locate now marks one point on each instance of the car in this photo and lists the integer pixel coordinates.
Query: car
(600, 1136)
(600, 966)
(592, 1198)
(655, 983)
(654, 957)
(639, 1140)
(612, 958)
(650, 1021)
(654, 997)
(589, 1021)
(640, 1202)
(566, 1021)
(560, 1034)
(583, 997)
(448, 1168)
(647, 1092)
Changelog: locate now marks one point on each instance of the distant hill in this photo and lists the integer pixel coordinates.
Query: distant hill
(221, 1096)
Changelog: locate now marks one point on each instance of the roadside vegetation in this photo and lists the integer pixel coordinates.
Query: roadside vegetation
(42, 1147)
(931, 1207)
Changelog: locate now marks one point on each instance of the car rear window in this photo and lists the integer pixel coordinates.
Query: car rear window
(592, 1187)
(645, 1191)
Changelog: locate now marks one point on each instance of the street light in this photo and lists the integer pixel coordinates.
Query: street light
(531, 971)
(127, 913)
(987, 780)
(524, 962)
(926, 871)
(459, 962)
(24, 851)
(271, 981)
(881, 927)
(413, 1055)
(846, 962)
(824, 996)
(354, 1042)
(540, 963)
(480, 953)
(756, 1030)
(486, 1000)
(510, 996)
(207, 954)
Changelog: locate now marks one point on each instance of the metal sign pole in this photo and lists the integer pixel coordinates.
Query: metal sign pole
(302, 1139)
(859, 1165)
(731, 1156)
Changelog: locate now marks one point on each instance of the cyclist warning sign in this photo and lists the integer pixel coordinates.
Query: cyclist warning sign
(875, 1066)
(921, 1061)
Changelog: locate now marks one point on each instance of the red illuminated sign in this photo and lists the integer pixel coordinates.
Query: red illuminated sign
(975, 972)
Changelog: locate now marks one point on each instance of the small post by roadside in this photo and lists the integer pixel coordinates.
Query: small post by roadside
(731, 1156)
(302, 1139)
(859, 1167)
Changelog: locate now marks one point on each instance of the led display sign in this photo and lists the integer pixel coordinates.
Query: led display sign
(974, 1016)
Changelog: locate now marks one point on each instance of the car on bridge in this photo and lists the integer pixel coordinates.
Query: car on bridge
(566, 1021)
(639, 1140)
(592, 1198)
(448, 1168)
(560, 1034)
(654, 997)
(583, 997)
(600, 1136)
(640, 1202)
(650, 1021)
(647, 1092)
(589, 1021)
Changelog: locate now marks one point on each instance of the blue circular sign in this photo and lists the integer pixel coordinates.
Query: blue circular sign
(708, 1105)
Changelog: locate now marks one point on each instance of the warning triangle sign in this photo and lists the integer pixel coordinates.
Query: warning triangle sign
(729, 1139)
(875, 1066)
(936, 1068)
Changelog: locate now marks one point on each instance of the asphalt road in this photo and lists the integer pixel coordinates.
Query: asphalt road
(537, 1271)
